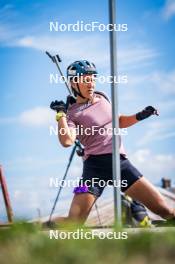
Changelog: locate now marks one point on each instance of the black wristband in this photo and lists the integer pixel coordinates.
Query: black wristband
(145, 113)
(139, 116)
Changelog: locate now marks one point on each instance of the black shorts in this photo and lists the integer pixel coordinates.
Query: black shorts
(97, 174)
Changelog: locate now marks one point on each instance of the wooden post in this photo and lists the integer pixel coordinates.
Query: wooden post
(6, 196)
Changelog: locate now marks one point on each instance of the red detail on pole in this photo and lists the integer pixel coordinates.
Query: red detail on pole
(6, 196)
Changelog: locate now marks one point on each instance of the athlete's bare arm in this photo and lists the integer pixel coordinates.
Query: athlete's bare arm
(66, 135)
(127, 121)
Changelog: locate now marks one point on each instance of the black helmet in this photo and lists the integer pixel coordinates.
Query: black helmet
(79, 68)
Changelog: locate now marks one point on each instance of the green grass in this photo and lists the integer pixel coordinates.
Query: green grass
(25, 243)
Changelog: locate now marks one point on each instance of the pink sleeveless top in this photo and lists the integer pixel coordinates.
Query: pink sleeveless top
(93, 123)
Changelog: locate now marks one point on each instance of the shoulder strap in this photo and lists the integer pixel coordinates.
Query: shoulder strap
(103, 94)
(71, 100)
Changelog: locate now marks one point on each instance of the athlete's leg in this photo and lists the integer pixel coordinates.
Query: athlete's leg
(147, 194)
(80, 208)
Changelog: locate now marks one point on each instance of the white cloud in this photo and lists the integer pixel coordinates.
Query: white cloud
(17, 195)
(29, 202)
(41, 195)
(69, 47)
(165, 81)
(32, 163)
(73, 46)
(168, 10)
(36, 117)
(157, 85)
(167, 106)
(158, 131)
(154, 166)
(136, 56)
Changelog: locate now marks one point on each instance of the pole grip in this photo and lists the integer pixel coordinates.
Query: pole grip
(58, 58)
(50, 56)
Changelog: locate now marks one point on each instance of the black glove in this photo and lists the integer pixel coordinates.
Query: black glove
(58, 106)
(148, 111)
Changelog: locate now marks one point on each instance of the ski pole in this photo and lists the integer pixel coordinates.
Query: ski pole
(64, 177)
(98, 214)
(55, 59)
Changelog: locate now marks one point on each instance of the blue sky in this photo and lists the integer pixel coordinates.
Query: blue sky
(145, 53)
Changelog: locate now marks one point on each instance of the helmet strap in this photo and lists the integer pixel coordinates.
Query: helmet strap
(78, 92)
